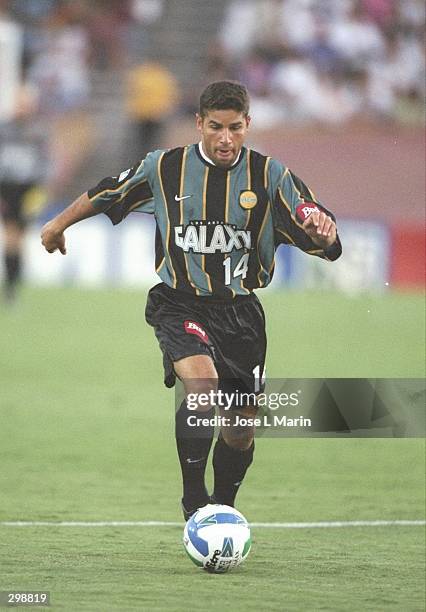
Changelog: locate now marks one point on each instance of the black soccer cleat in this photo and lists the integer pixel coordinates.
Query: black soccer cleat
(188, 513)
(214, 501)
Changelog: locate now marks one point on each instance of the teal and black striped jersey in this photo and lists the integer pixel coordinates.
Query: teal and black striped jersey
(217, 229)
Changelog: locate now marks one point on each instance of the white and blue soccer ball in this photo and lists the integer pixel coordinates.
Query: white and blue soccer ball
(217, 538)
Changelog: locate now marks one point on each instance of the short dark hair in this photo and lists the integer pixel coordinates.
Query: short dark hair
(224, 95)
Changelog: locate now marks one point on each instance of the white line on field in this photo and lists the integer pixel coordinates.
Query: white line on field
(320, 524)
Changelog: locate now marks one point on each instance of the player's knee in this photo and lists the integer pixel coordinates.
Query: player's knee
(200, 381)
(201, 394)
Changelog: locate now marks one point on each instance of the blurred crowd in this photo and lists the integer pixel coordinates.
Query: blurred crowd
(325, 60)
(64, 39)
(49, 52)
(303, 60)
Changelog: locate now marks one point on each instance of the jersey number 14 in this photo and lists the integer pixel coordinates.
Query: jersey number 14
(240, 269)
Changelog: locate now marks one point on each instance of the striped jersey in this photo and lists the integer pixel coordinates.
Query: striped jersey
(24, 154)
(217, 229)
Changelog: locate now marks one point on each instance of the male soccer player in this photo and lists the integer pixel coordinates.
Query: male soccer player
(24, 170)
(221, 211)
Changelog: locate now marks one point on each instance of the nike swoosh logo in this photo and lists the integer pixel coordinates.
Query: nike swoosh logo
(194, 460)
(178, 199)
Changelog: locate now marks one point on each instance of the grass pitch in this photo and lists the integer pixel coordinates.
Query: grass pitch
(86, 434)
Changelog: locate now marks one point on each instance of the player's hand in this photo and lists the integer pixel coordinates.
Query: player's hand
(321, 229)
(52, 238)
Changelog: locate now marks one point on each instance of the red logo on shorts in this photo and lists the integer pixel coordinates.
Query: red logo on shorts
(303, 211)
(194, 328)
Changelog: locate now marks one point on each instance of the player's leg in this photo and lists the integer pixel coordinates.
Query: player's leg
(193, 439)
(12, 257)
(233, 454)
(11, 202)
(244, 352)
(187, 354)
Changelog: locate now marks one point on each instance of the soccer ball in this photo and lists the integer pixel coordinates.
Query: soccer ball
(217, 538)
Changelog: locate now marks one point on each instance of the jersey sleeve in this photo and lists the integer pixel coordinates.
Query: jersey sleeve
(293, 202)
(131, 190)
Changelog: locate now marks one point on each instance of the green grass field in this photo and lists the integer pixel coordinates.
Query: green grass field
(86, 434)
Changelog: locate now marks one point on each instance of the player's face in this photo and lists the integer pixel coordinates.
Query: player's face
(223, 133)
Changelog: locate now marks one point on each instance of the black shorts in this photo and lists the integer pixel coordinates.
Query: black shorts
(12, 197)
(232, 333)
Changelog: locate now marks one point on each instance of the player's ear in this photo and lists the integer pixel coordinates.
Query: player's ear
(248, 121)
(199, 121)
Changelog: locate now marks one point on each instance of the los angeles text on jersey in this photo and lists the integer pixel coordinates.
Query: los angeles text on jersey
(212, 237)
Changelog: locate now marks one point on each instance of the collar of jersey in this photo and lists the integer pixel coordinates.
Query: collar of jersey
(206, 160)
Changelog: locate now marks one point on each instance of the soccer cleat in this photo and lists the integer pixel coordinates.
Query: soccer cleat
(213, 500)
(188, 513)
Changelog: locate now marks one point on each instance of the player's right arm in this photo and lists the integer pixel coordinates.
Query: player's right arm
(116, 196)
(52, 233)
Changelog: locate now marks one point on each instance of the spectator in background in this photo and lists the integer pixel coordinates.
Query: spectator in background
(329, 60)
(257, 69)
(320, 51)
(152, 95)
(144, 14)
(239, 27)
(59, 68)
(309, 95)
(257, 72)
(296, 23)
(398, 79)
(380, 11)
(248, 23)
(11, 52)
(357, 40)
(107, 22)
(59, 71)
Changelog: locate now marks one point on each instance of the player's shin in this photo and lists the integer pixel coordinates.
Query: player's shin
(13, 265)
(193, 441)
(230, 466)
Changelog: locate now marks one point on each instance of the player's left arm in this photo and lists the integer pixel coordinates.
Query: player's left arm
(301, 220)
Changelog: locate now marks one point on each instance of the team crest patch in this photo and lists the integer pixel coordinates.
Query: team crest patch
(195, 328)
(248, 199)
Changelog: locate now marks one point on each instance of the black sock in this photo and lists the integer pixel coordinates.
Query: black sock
(193, 446)
(12, 263)
(230, 466)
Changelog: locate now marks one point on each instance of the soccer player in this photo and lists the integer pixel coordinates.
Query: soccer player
(24, 170)
(221, 211)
